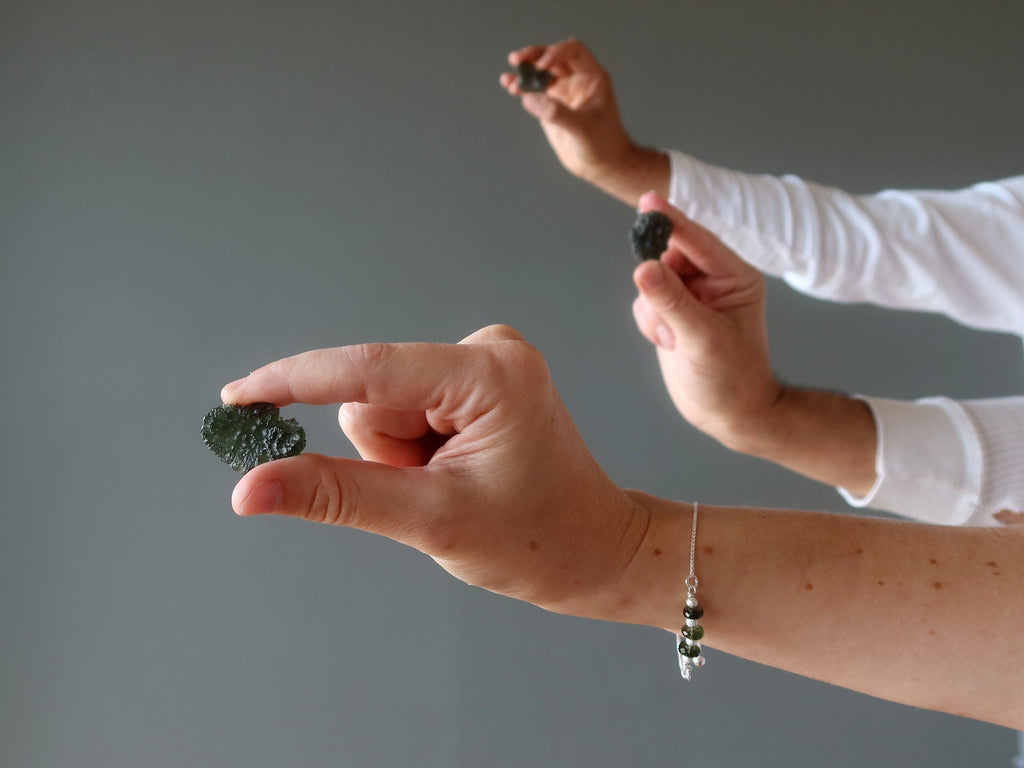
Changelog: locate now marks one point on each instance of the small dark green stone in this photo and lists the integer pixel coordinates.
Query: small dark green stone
(689, 651)
(533, 80)
(650, 235)
(693, 612)
(693, 633)
(246, 435)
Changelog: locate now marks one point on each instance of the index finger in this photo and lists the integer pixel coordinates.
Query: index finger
(414, 376)
(530, 53)
(565, 56)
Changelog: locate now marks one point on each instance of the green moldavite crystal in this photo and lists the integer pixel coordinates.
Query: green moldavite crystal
(650, 235)
(246, 435)
(531, 79)
(689, 651)
(694, 633)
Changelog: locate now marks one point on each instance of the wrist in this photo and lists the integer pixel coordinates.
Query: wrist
(757, 429)
(628, 171)
(650, 589)
(613, 158)
(826, 436)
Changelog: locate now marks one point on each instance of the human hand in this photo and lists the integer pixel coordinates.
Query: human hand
(578, 111)
(469, 456)
(703, 308)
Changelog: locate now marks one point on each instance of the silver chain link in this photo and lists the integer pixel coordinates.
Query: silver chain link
(692, 582)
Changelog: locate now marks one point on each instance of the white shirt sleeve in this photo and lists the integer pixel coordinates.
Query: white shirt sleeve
(949, 462)
(957, 253)
(960, 253)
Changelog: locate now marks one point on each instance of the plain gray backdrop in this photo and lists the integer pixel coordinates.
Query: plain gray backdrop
(191, 189)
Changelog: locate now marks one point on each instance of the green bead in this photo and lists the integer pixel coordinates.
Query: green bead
(692, 633)
(693, 612)
(689, 651)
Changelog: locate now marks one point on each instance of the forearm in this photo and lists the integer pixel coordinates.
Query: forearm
(923, 615)
(637, 170)
(825, 436)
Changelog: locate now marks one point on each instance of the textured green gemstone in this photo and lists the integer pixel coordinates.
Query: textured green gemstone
(246, 435)
(689, 651)
(693, 612)
(533, 80)
(693, 633)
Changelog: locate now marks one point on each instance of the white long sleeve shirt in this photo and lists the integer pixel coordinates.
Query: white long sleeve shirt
(959, 253)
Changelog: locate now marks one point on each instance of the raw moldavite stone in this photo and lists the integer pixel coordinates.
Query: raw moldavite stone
(246, 435)
(650, 234)
(531, 79)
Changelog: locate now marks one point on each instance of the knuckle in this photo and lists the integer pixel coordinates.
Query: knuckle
(371, 354)
(330, 503)
(670, 301)
(524, 357)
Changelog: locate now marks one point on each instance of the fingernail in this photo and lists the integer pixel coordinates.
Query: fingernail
(639, 209)
(666, 339)
(228, 390)
(263, 499)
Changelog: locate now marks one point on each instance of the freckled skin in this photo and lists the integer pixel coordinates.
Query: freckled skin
(1010, 517)
(708, 551)
(808, 585)
(992, 564)
(534, 546)
(858, 551)
(937, 585)
(881, 583)
(933, 561)
(657, 552)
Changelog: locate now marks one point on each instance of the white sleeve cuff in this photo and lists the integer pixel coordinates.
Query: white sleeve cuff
(999, 424)
(726, 202)
(928, 463)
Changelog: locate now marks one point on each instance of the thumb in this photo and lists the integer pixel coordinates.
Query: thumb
(393, 502)
(675, 307)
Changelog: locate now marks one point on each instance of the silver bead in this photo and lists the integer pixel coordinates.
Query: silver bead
(691, 600)
(699, 661)
(691, 622)
(686, 672)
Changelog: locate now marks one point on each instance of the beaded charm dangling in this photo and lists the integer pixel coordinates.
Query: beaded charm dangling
(689, 636)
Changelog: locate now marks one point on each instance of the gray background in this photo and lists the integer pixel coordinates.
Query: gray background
(191, 189)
